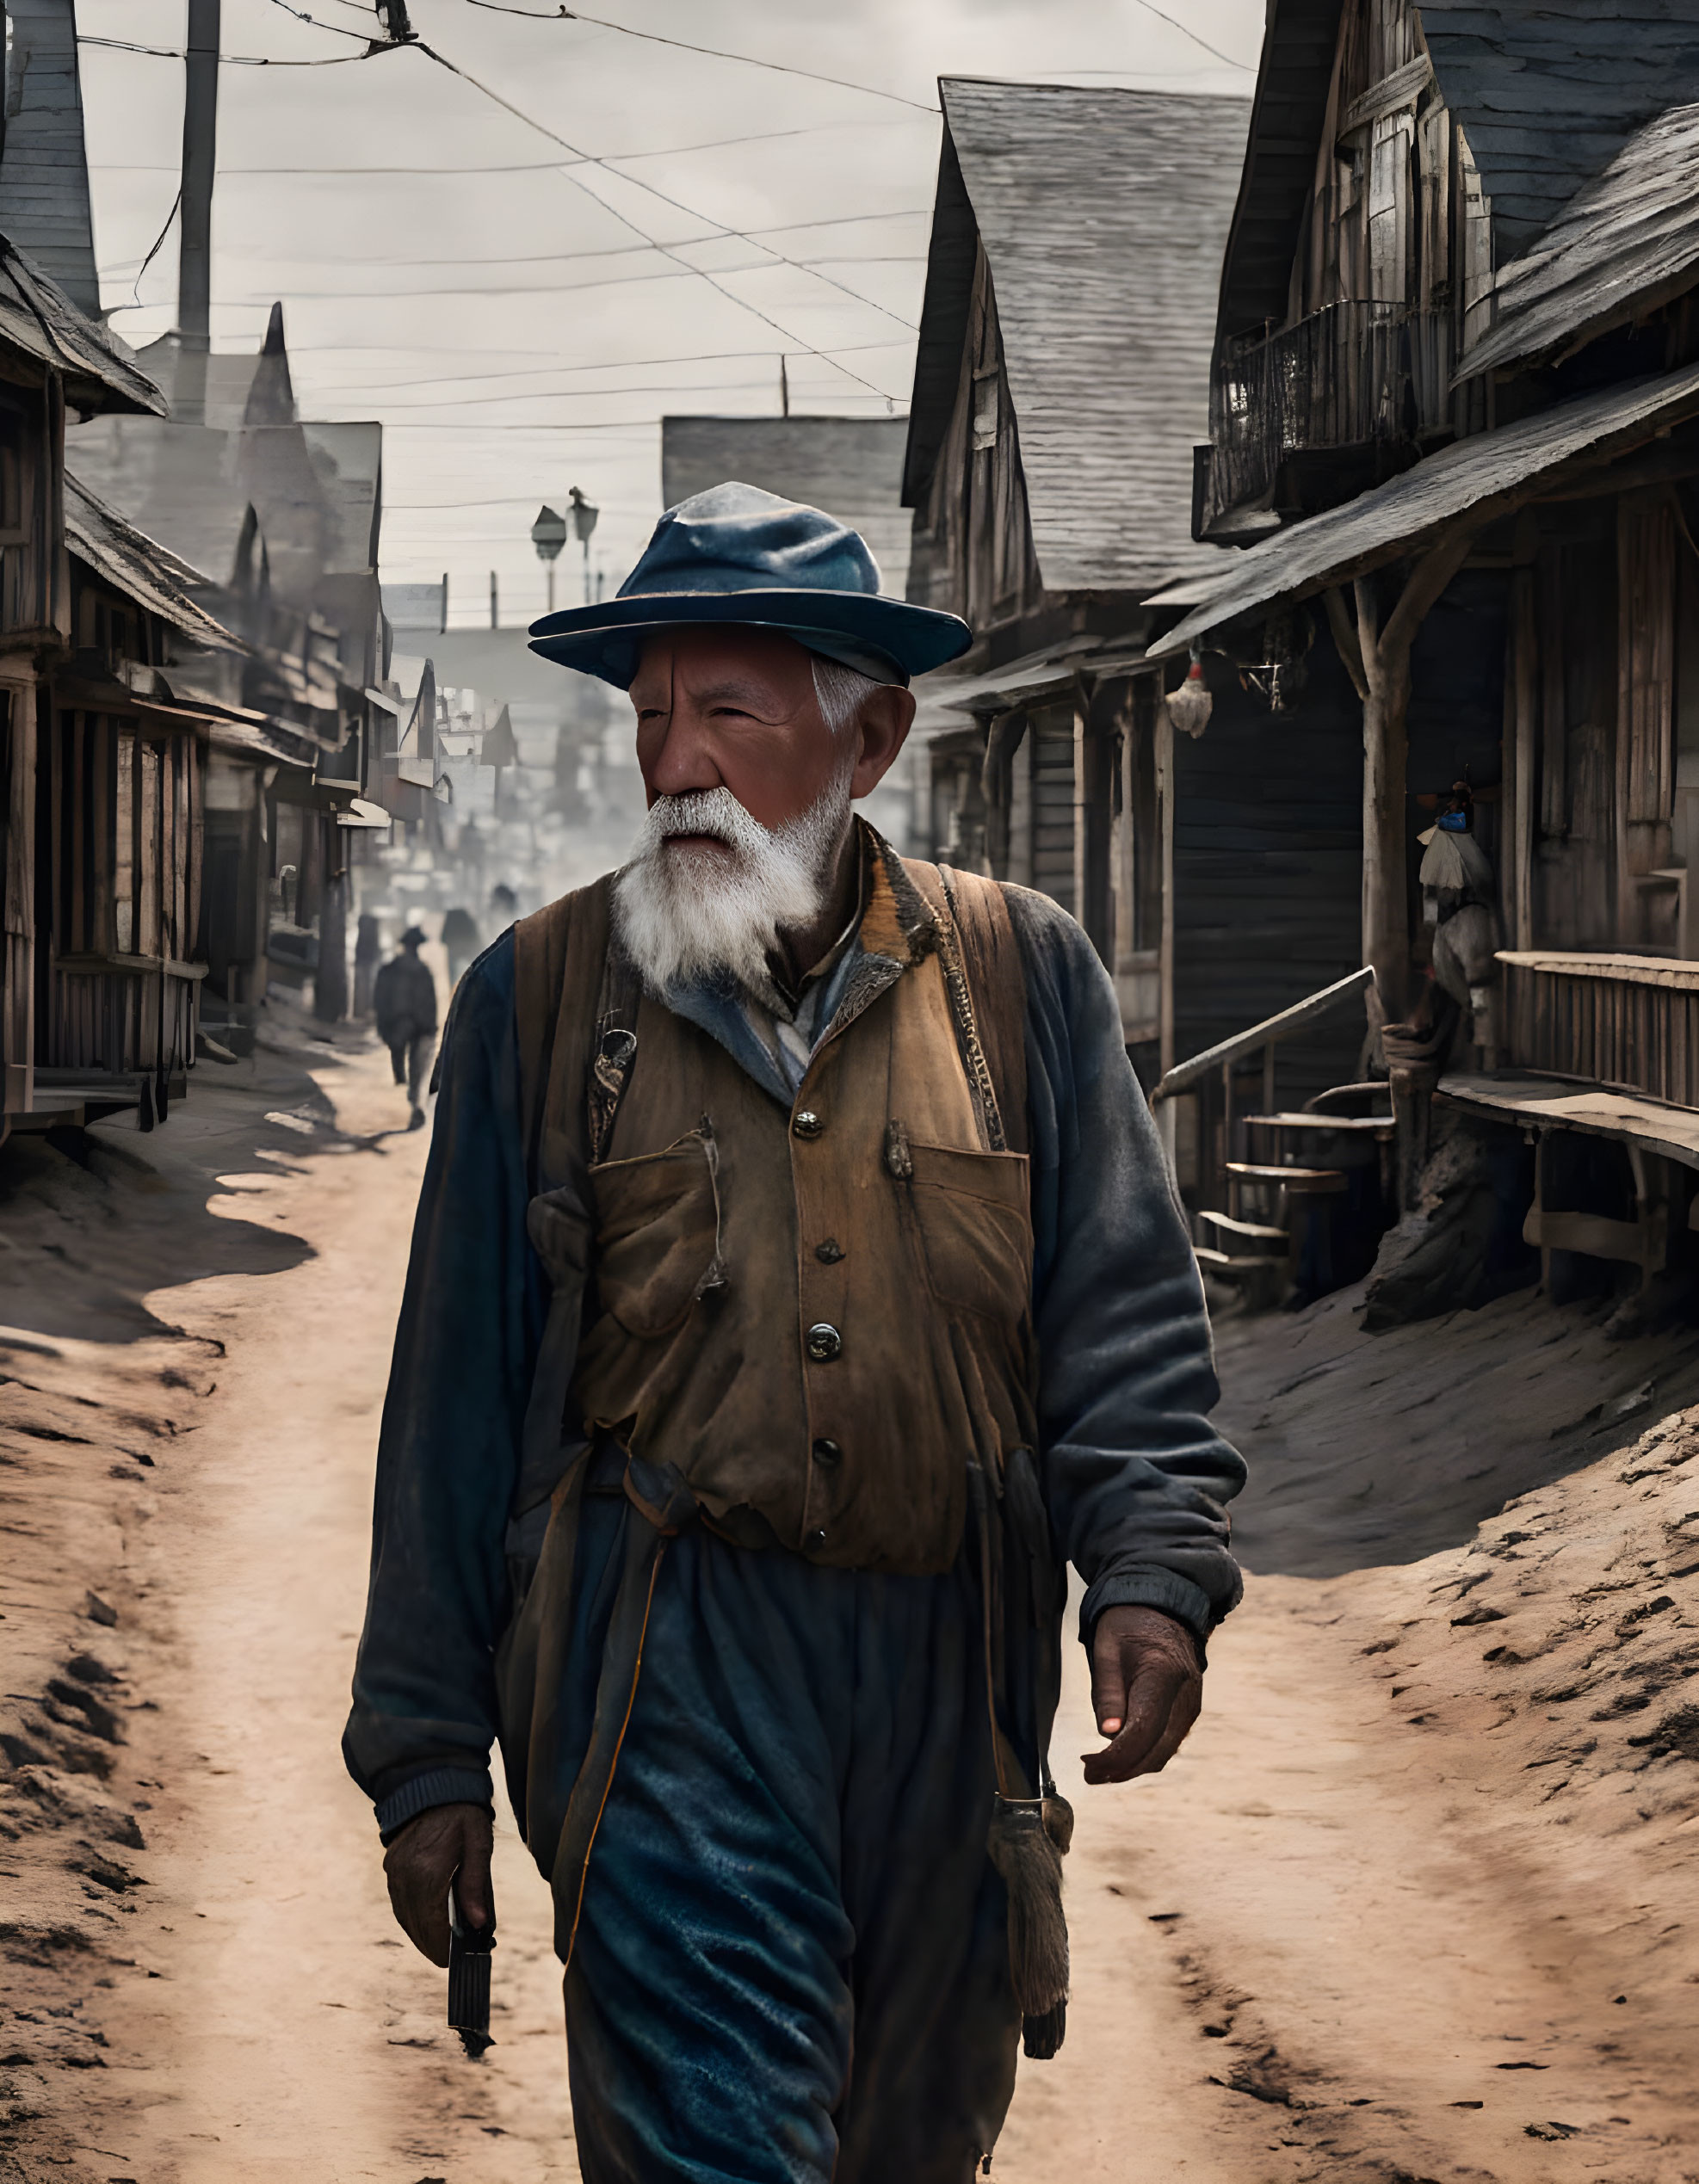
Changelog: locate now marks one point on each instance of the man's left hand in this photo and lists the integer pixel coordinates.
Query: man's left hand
(1147, 1691)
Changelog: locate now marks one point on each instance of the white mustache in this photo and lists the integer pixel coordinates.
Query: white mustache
(714, 812)
(683, 917)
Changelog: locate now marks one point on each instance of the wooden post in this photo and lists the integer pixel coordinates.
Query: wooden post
(1376, 657)
(1385, 748)
(1525, 648)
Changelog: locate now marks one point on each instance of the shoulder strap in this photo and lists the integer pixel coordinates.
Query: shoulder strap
(991, 1012)
(560, 955)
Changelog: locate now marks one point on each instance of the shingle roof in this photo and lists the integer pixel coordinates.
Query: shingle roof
(1394, 519)
(1628, 241)
(138, 566)
(1549, 91)
(99, 372)
(1104, 214)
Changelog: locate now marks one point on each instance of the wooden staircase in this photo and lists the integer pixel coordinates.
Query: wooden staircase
(1276, 1229)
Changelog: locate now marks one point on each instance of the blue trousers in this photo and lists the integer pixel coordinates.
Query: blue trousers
(791, 1961)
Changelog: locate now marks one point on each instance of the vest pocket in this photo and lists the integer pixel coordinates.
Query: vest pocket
(975, 1229)
(657, 1235)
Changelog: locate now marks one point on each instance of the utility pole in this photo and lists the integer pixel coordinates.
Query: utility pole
(200, 165)
(784, 389)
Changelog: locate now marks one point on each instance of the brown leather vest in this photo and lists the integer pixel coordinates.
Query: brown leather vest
(818, 1318)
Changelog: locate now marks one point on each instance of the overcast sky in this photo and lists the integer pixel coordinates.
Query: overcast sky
(500, 301)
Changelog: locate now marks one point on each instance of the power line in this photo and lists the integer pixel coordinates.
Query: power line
(792, 340)
(1185, 30)
(667, 249)
(713, 52)
(158, 244)
(232, 60)
(517, 167)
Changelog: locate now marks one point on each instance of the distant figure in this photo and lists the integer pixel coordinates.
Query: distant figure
(460, 937)
(368, 947)
(404, 997)
(503, 905)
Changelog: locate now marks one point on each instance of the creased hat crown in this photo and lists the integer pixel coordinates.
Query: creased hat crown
(737, 538)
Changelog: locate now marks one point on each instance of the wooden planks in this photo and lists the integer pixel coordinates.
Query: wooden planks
(1545, 1103)
(1634, 1025)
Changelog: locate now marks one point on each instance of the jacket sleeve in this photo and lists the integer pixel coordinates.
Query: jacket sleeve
(1136, 1477)
(425, 1705)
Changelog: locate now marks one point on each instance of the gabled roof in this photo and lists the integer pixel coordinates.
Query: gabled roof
(44, 176)
(138, 566)
(1103, 214)
(1628, 241)
(1548, 92)
(1480, 477)
(852, 467)
(36, 316)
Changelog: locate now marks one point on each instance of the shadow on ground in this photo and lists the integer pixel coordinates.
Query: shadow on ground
(1368, 1449)
(92, 1221)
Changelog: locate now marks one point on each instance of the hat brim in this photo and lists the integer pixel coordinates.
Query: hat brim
(607, 639)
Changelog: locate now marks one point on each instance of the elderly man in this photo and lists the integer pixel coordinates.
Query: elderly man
(796, 1289)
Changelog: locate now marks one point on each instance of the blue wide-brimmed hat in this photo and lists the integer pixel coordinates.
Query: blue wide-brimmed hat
(736, 554)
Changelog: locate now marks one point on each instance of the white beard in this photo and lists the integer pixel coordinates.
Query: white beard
(685, 913)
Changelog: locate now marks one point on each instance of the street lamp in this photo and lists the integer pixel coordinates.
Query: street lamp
(548, 535)
(584, 514)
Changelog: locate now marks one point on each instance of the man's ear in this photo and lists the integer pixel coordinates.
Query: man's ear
(886, 719)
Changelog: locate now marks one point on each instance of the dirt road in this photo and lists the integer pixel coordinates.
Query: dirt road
(1400, 1911)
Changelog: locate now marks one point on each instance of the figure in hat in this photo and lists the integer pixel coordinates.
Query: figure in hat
(797, 1290)
(404, 1003)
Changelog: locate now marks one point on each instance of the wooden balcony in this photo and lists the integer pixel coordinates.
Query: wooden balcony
(1630, 1023)
(1351, 375)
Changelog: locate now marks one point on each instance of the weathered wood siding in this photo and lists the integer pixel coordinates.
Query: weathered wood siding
(1396, 215)
(117, 895)
(1268, 851)
(973, 546)
(1392, 271)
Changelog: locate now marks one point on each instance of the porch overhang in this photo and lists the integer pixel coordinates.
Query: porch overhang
(1472, 483)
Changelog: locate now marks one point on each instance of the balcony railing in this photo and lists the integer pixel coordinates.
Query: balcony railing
(1353, 374)
(1628, 1021)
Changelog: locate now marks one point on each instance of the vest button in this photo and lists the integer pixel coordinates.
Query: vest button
(827, 1451)
(829, 1252)
(815, 1540)
(823, 1343)
(808, 1124)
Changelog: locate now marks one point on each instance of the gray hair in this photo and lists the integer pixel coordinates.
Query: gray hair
(840, 692)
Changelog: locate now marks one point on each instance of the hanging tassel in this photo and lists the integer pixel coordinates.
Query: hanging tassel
(1028, 1838)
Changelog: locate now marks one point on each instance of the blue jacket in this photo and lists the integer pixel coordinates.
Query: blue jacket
(1134, 1475)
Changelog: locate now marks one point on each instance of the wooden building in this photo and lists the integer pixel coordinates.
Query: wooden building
(52, 359)
(1061, 387)
(282, 515)
(121, 822)
(1455, 385)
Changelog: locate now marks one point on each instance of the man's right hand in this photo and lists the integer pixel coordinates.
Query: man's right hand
(420, 1863)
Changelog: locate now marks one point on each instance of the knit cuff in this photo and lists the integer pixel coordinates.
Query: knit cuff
(1145, 1585)
(437, 1786)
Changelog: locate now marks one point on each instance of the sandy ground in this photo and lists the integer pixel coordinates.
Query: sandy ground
(1417, 1901)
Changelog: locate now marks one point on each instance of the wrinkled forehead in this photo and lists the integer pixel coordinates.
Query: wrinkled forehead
(710, 659)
